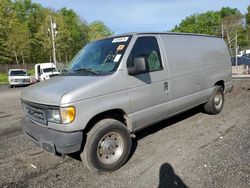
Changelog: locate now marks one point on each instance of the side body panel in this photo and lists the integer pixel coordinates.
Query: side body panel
(196, 63)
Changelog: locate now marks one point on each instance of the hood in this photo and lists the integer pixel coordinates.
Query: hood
(19, 77)
(51, 91)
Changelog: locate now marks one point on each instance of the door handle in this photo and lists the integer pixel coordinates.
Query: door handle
(166, 87)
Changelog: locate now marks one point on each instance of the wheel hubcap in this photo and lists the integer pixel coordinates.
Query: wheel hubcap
(110, 148)
(218, 100)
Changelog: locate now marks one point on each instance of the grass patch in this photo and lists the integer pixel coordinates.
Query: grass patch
(3, 78)
(31, 72)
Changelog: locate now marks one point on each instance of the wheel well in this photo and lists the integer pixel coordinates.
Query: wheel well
(221, 84)
(117, 114)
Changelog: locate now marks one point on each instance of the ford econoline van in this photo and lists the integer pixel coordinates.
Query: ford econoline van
(121, 84)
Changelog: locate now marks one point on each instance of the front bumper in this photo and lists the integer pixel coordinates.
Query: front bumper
(53, 141)
(19, 83)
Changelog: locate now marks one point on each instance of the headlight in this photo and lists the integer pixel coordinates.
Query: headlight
(12, 80)
(68, 114)
(53, 115)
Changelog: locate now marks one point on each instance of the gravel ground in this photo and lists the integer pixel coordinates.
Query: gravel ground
(190, 150)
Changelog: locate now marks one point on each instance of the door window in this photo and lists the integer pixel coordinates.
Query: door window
(146, 47)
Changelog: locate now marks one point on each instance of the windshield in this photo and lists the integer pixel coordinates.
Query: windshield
(18, 73)
(99, 57)
(49, 70)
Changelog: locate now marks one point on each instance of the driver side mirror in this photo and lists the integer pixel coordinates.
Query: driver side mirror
(140, 66)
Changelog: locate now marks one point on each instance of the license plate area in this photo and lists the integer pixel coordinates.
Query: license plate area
(48, 146)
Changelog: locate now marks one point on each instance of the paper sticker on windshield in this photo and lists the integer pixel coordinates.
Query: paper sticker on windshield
(120, 39)
(120, 47)
(117, 58)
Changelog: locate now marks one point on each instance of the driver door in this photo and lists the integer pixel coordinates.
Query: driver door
(148, 92)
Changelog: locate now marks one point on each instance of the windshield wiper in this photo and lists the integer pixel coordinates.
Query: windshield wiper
(87, 69)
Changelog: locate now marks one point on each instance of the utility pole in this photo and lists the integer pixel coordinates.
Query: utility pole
(52, 28)
(222, 31)
(236, 49)
(235, 39)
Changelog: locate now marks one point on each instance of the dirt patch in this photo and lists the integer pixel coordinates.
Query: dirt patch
(192, 149)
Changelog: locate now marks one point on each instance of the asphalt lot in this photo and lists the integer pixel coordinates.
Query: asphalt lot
(190, 150)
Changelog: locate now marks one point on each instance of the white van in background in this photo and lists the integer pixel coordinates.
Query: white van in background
(45, 71)
(18, 77)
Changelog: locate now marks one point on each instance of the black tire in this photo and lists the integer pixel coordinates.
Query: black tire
(215, 104)
(102, 152)
(11, 86)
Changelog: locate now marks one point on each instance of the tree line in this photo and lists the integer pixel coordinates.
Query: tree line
(223, 23)
(25, 34)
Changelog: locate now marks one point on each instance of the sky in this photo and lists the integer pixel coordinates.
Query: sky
(141, 15)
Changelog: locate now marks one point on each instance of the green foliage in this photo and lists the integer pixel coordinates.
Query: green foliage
(248, 16)
(248, 26)
(206, 23)
(5, 15)
(98, 30)
(17, 42)
(25, 38)
(31, 72)
(223, 23)
(226, 11)
(77, 33)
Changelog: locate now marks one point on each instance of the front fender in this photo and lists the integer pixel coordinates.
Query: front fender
(87, 109)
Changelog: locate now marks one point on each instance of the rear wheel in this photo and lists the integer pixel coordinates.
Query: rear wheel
(107, 147)
(216, 101)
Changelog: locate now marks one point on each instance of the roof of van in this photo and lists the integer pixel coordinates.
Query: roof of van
(17, 70)
(163, 33)
(158, 33)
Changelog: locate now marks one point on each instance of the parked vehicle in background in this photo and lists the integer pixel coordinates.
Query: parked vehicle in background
(243, 60)
(122, 84)
(45, 71)
(18, 77)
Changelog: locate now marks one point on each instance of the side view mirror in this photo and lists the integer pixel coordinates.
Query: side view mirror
(140, 66)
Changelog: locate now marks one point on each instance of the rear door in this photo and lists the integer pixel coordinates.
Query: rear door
(148, 92)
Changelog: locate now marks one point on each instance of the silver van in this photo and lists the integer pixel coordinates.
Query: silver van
(121, 84)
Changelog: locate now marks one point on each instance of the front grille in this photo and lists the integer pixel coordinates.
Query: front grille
(35, 112)
(52, 75)
(26, 80)
(22, 80)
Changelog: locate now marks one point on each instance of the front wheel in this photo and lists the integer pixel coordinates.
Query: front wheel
(216, 101)
(107, 147)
